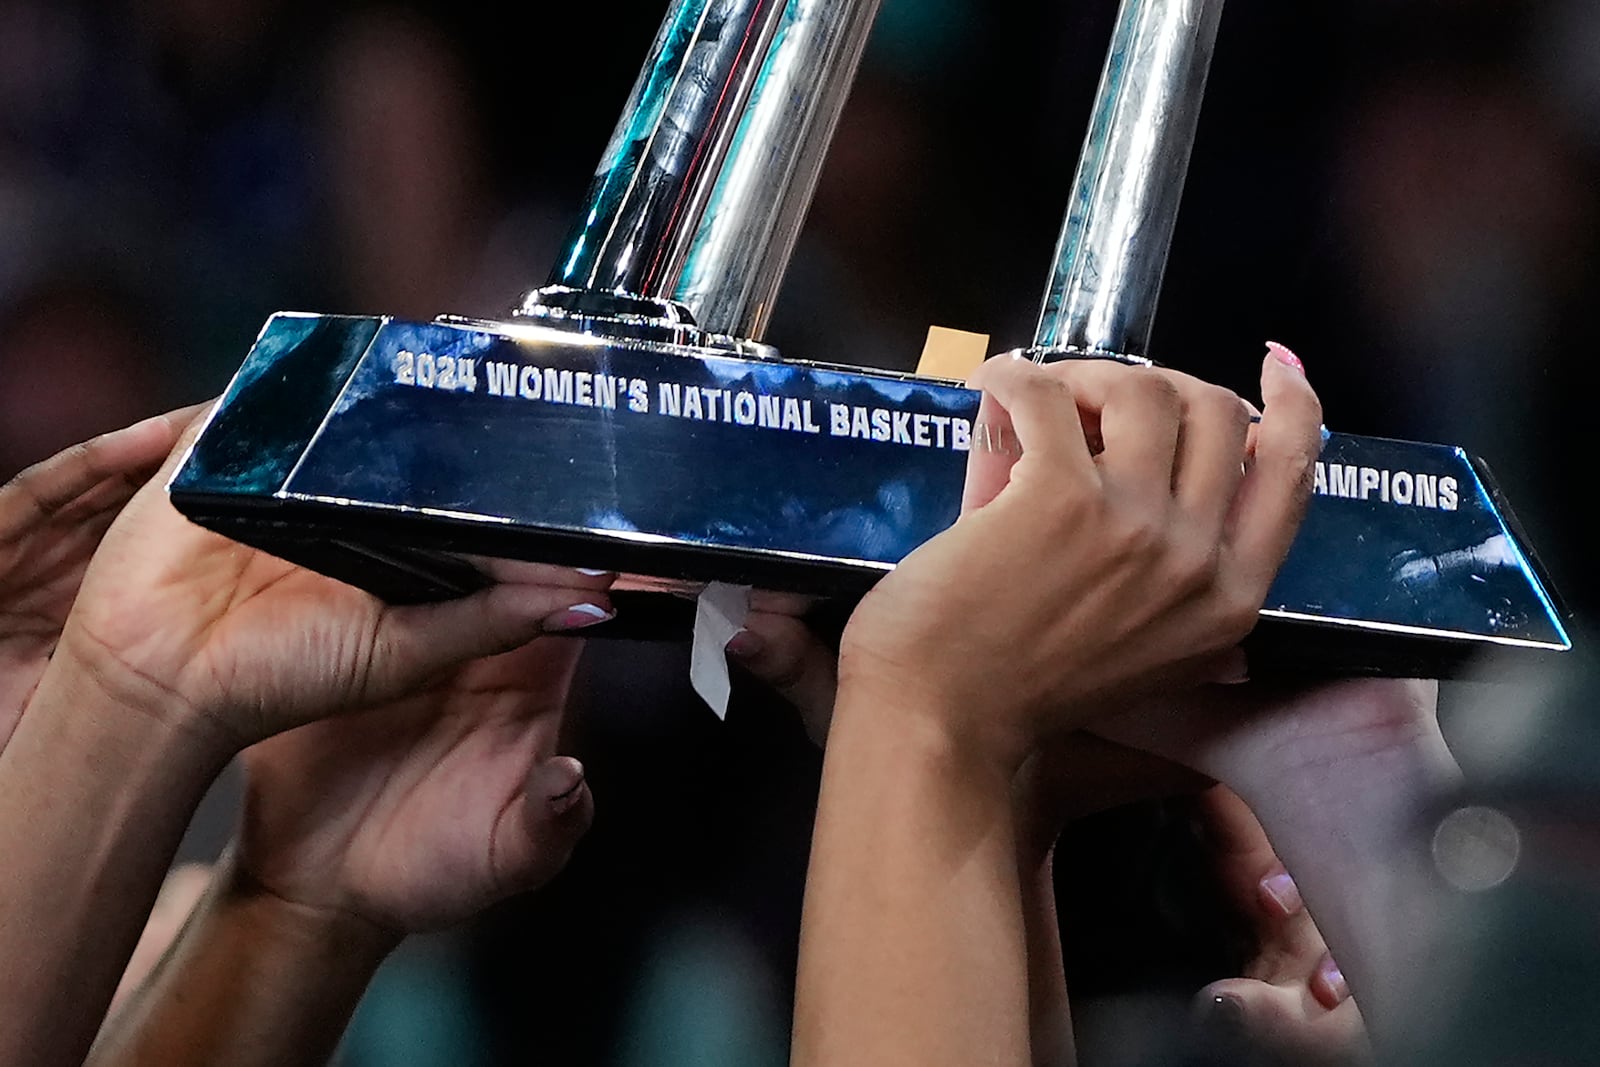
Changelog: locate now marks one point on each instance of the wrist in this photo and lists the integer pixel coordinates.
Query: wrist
(1373, 744)
(88, 676)
(939, 720)
(339, 941)
(905, 739)
(1392, 782)
(1352, 834)
(80, 706)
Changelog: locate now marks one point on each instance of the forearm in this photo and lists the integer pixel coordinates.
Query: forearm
(94, 798)
(1350, 835)
(252, 980)
(912, 945)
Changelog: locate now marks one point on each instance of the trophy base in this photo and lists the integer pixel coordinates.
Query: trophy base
(380, 452)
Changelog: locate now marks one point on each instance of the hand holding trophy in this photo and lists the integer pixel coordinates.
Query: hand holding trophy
(627, 415)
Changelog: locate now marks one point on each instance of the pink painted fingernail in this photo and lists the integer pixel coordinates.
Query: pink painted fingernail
(744, 645)
(578, 617)
(590, 573)
(1333, 979)
(1283, 355)
(1283, 894)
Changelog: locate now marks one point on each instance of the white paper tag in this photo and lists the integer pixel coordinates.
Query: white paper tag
(719, 614)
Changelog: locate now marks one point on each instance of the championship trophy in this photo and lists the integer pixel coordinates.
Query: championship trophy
(628, 417)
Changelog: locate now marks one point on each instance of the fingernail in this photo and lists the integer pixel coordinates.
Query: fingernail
(577, 617)
(1225, 1017)
(1333, 978)
(745, 644)
(1280, 889)
(569, 788)
(1283, 355)
(592, 574)
(1233, 668)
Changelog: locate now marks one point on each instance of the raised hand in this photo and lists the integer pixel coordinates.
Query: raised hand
(52, 517)
(420, 813)
(182, 623)
(1119, 539)
(1338, 774)
(1101, 556)
(181, 649)
(358, 830)
(1066, 778)
(1292, 1004)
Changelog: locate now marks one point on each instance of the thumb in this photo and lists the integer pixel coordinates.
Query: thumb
(1276, 489)
(413, 643)
(549, 819)
(127, 458)
(1244, 1020)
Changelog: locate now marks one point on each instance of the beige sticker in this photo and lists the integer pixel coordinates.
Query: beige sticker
(952, 354)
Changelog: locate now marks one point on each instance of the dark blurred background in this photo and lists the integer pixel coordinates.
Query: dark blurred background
(1404, 191)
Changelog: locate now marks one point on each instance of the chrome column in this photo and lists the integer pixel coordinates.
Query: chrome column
(668, 147)
(731, 273)
(1113, 249)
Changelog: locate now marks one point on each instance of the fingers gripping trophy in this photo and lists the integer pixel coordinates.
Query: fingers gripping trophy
(628, 416)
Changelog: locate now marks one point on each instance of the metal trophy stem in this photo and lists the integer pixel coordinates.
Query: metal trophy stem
(1113, 249)
(702, 191)
(1408, 561)
(747, 233)
(668, 147)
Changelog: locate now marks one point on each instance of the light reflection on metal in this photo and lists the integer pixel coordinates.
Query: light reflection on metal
(732, 272)
(668, 147)
(1113, 248)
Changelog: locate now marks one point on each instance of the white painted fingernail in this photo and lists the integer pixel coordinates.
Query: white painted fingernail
(577, 617)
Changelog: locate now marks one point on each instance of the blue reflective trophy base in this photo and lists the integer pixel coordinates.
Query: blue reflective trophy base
(380, 451)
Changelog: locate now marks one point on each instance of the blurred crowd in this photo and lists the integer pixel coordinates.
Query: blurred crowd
(1403, 190)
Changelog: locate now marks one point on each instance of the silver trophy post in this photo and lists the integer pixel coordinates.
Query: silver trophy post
(1125, 197)
(702, 190)
(735, 265)
(667, 147)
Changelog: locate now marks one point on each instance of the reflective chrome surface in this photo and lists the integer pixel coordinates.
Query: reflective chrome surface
(668, 147)
(376, 450)
(1113, 249)
(606, 313)
(732, 272)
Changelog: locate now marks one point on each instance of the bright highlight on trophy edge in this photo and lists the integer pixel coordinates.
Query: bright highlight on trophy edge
(628, 415)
